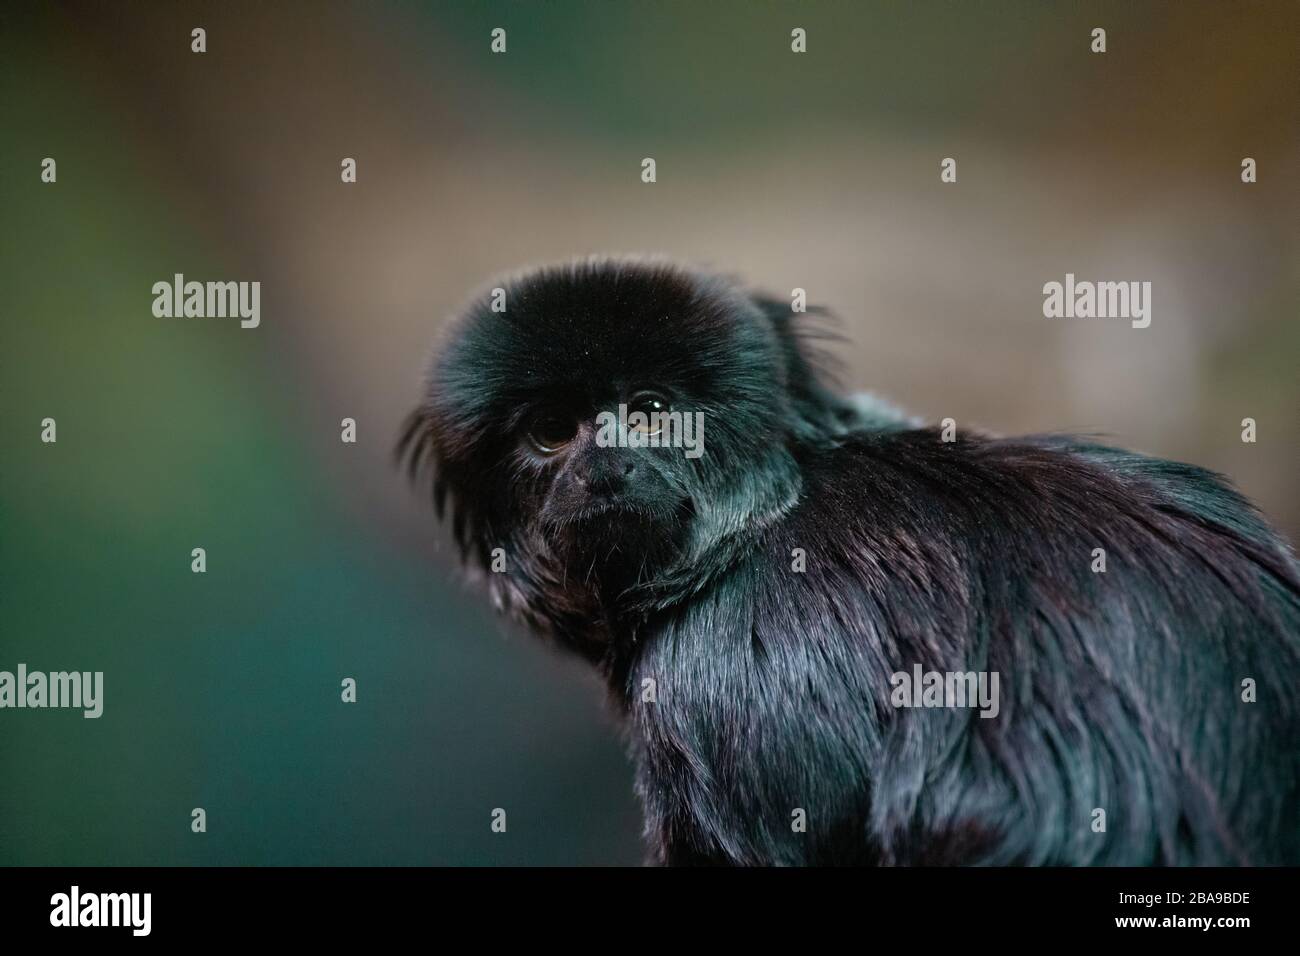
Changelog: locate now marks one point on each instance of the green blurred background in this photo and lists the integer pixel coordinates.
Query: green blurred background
(817, 170)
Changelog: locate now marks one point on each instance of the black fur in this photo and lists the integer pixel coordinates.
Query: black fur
(1120, 691)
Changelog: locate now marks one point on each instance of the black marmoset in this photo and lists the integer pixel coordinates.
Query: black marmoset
(839, 637)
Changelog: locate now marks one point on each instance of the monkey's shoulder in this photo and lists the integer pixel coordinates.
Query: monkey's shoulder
(975, 489)
(919, 536)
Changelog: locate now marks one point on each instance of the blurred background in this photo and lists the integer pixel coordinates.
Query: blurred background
(818, 170)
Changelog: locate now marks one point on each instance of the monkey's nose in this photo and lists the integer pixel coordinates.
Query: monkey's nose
(606, 477)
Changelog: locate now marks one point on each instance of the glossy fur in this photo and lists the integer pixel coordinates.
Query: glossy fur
(1120, 691)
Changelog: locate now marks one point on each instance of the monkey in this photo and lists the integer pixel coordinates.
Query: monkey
(754, 610)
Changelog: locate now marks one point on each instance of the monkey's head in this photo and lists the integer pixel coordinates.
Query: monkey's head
(612, 423)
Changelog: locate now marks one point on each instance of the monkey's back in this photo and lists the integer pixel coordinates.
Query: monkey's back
(1143, 621)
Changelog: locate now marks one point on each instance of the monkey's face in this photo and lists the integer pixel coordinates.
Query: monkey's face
(601, 457)
(608, 414)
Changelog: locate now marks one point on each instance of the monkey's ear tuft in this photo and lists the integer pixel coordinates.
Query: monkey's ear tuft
(811, 375)
(416, 451)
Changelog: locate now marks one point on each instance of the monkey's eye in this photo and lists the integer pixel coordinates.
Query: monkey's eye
(549, 431)
(651, 405)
